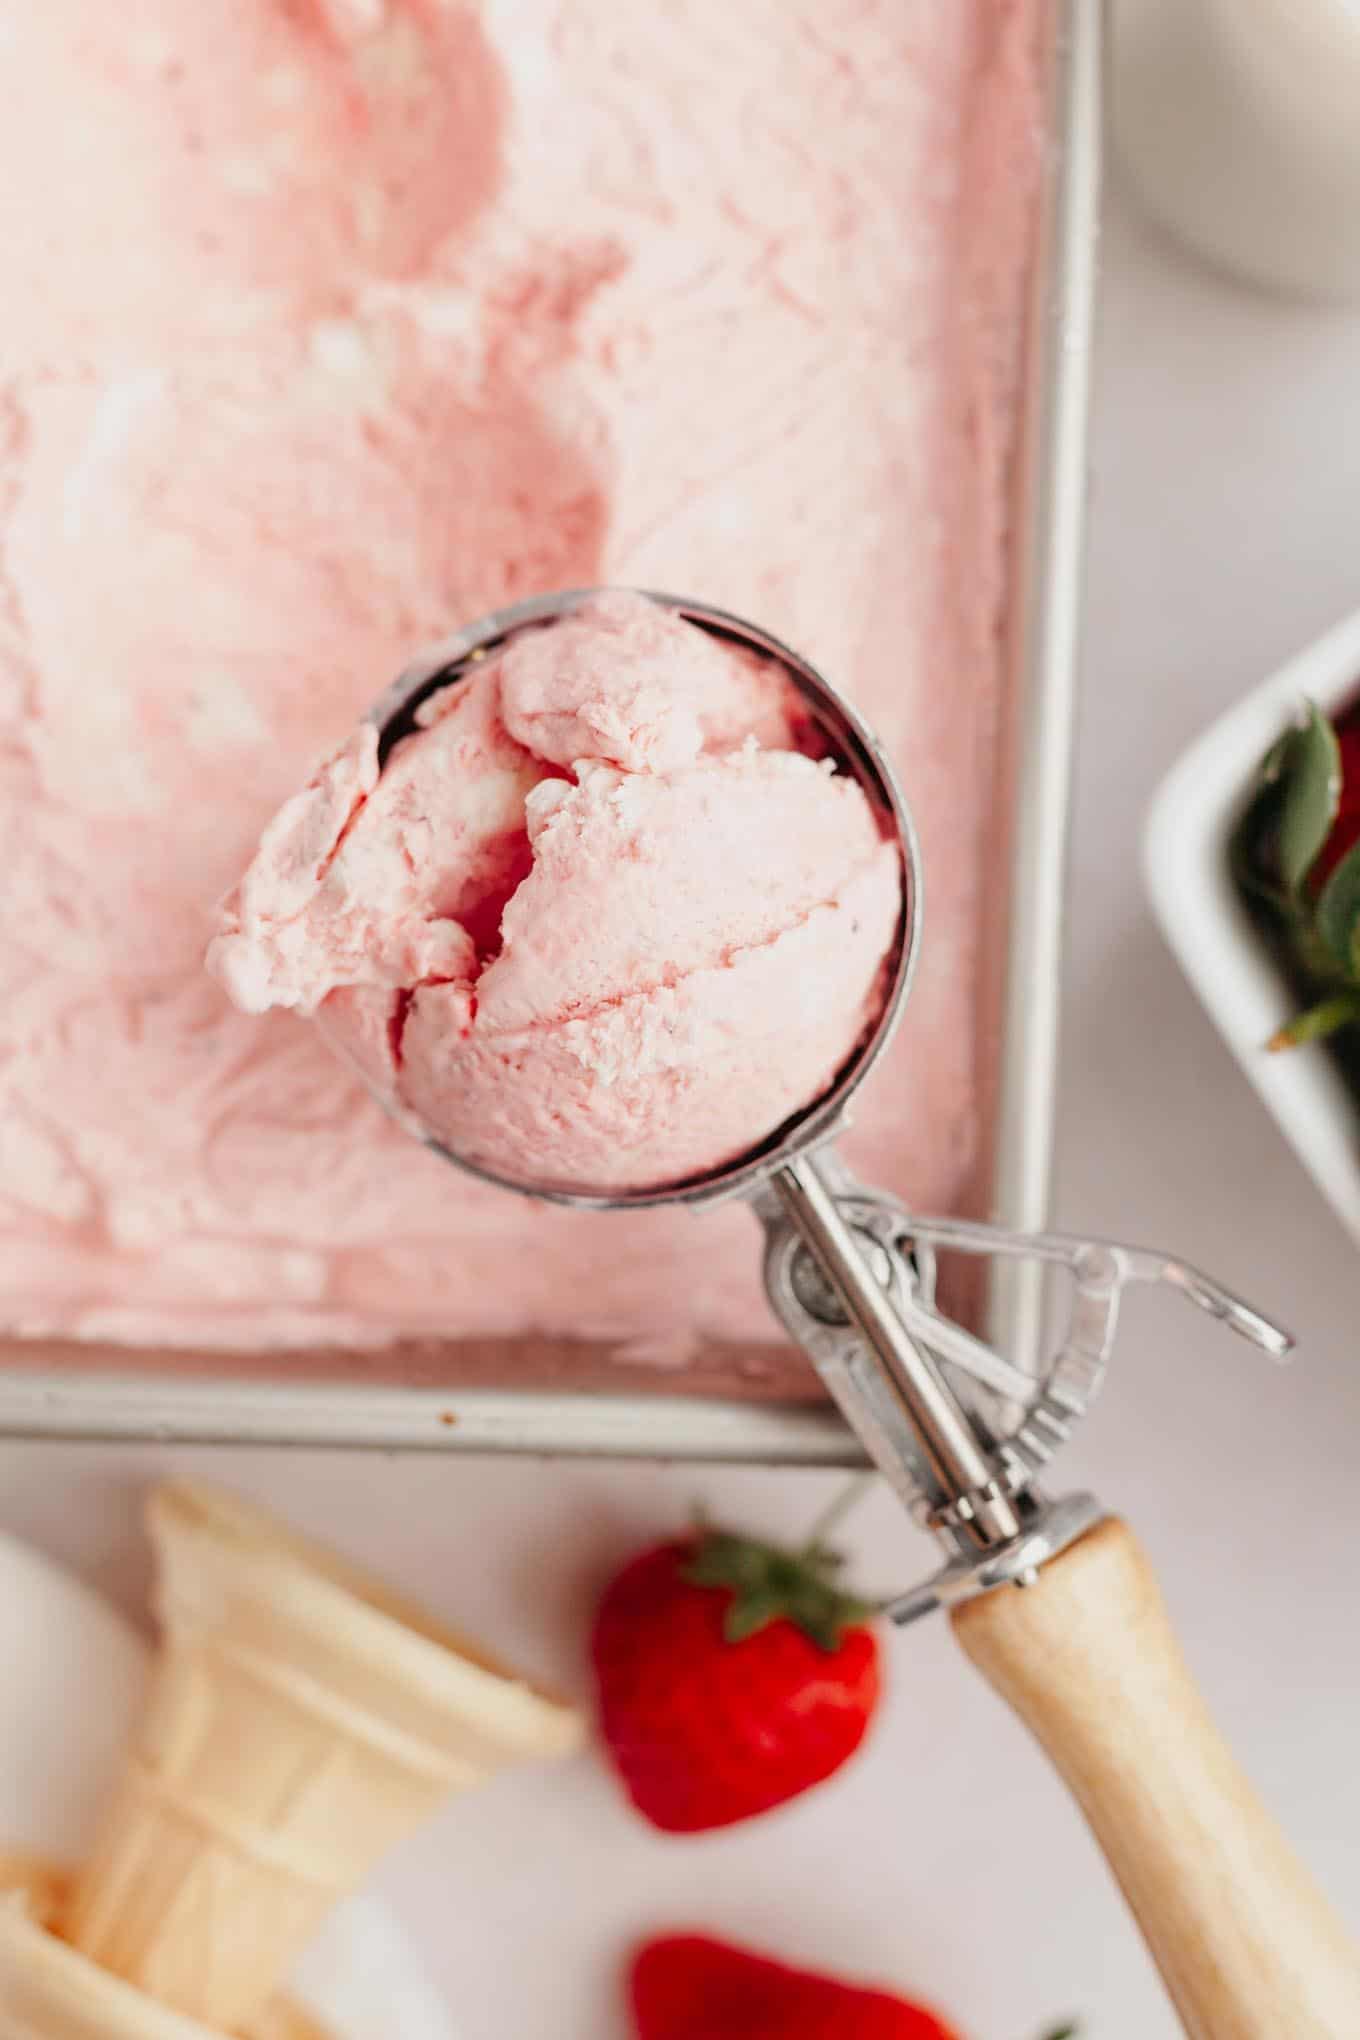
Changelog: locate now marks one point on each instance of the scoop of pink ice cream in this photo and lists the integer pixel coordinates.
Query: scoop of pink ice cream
(599, 923)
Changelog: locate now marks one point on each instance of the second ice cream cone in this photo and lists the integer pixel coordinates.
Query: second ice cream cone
(300, 1721)
(49, 1992)
(43, 1885)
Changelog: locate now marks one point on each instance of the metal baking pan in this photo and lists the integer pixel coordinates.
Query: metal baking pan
(58, 1392)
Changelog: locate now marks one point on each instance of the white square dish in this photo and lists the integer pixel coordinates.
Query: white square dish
(1185, 854)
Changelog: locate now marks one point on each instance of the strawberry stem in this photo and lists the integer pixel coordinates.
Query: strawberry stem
(768, 1584)
(1318, 1022)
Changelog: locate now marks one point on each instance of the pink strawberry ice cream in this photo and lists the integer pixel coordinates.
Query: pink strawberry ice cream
(598, 925)
(329, 324)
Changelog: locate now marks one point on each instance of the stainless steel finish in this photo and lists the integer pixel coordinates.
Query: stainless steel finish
(914, 1390)
(886, 1234)
(939, 1429)
(679, 1427)
(1044, 622)
(1024, 1417)
(1043, 605)
(1068, 1381)
(813, 1287)
(1048, 1531)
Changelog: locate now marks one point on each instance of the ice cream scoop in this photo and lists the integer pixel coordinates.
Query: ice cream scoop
(1085, 1656)
(420, 879)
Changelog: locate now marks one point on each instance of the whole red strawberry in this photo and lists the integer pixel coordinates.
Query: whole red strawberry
(687, 1987)
(732, 1675)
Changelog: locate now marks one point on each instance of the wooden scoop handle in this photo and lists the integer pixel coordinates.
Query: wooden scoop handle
(1247, 1945)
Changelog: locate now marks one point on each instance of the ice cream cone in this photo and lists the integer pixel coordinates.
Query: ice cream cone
(282, 2019)
(42, 1980)
(49, 1992)
(300, 1721)
(43, 1885)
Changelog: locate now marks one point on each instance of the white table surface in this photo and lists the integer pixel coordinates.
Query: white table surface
(1224, 534)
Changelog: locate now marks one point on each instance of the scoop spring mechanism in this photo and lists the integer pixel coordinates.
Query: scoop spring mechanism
(960, 1432)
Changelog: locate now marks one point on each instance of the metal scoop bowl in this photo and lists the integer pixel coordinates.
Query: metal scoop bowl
(1085, 1655)
(856, 751)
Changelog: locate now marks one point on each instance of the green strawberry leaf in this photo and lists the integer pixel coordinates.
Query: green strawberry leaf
(1338, 913)
(1272, 765)
(1250, 853)
(1069, 2031)
(1317, 1022)
(1310, 770)
(768, 1584)
(750, 1613)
